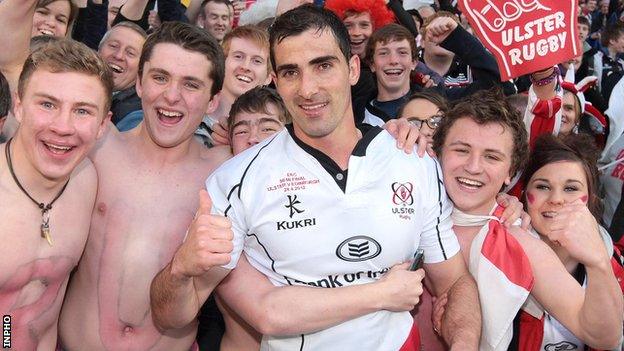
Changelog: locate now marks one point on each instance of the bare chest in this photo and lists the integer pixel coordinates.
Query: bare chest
(34, 270)
(144, 211)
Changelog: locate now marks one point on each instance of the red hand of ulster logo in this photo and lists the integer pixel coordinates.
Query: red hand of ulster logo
(402, 193)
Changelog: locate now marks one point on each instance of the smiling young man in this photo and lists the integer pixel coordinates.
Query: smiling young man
(246, 50)
(481, 143)
(392, 56)
(47, 187)
(147, 195)
(300, 205)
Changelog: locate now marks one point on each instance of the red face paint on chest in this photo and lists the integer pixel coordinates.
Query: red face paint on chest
(584, 199)
(530, 197)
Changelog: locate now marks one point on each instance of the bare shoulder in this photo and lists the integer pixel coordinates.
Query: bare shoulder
(215, 156)
(108, 143)
(84, 179)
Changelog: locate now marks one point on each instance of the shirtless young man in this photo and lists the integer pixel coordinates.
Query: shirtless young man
(481, 142)
(47, 187)
(149, 178)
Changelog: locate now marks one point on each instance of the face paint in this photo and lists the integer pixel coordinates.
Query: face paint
(530, 197)
(584, 199)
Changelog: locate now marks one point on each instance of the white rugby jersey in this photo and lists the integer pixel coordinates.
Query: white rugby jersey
(303, 221)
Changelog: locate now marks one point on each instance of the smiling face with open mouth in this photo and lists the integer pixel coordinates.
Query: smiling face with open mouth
(360, 27)
(476, 161)
(392, 64)
(246, 66)
(175, 93)
(61, 115)
(552, 186)
(121, 50)
(51, 19)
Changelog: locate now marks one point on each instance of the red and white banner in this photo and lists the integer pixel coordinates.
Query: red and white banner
(525, 35)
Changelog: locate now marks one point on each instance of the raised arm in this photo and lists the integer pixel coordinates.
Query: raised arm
(16, 17)
(179, 290)
(545, 91)
(192, 11)
(594, 314)
(134, 9)
(289, 310)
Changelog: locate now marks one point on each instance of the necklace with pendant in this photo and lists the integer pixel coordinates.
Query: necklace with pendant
(45, 208)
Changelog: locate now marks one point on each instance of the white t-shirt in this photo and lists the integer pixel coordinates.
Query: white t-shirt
(302, 221)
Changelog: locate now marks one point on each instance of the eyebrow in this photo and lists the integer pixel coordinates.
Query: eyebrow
(327, 58)
(470, 146)
(56, 100)
(567, 180)
(261, 120)
(162, 71)
(314, 61)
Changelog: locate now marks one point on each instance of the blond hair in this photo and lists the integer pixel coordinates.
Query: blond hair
(66, 55)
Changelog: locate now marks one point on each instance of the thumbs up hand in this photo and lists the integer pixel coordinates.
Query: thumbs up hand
(208, 242)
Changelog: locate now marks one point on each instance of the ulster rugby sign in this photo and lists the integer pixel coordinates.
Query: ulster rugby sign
(525, 35)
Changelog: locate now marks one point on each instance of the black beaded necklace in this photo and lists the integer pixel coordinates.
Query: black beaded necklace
(45, 215)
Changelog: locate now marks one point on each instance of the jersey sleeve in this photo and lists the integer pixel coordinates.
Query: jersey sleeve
(437, 238)
(225, 202)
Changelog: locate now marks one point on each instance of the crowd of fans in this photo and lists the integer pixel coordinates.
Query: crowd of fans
(115, 113)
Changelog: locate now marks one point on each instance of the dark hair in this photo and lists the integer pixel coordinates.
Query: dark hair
(202, 7)
(430, 95)
(73, 12)
(612, 32)
(190, 38)
(484, 107)
(579, 148)
(583, 20)
(386, 34)
(256, 100)
(66, 55)
(418, 18)
(303, 18)
(5, 97)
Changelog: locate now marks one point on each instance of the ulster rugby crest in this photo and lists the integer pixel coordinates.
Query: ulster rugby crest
(403, 199)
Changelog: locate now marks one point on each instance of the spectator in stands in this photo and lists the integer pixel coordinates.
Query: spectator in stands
(246, 50)
(121, 49)
(53, 17)
(216, 17)
(425, 109)
(610, 62)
